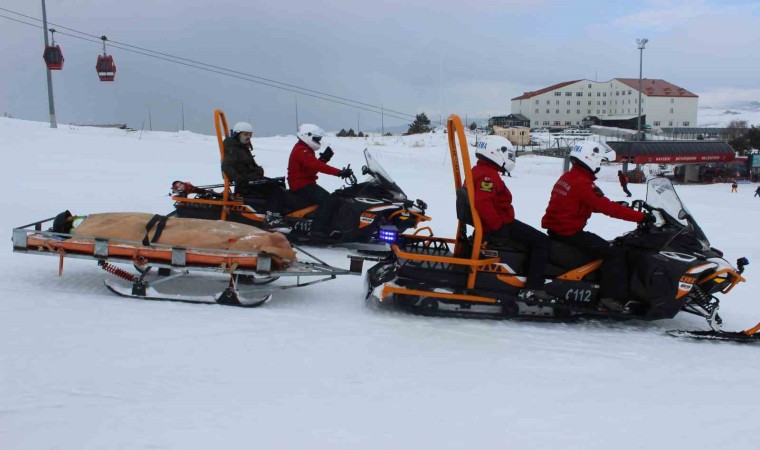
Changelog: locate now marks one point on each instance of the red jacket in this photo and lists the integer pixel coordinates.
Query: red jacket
(574, 198)
(303, 167)
(493, 201)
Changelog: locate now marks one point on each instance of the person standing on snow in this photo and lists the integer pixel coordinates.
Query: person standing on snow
(303, 170)
(574, 198)
(757, 192)
(238, 163)
(624, 182)
(734, 187)
(493, 201)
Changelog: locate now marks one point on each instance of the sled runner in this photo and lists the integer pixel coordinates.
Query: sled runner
(251, 273)
(367, 216)
(673, 267)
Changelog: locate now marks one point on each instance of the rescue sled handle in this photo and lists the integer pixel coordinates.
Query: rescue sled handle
(222, 132)
(456, 133)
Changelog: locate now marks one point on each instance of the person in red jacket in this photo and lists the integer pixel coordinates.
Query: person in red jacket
(303, 167)
(493, 201)
(574, 198)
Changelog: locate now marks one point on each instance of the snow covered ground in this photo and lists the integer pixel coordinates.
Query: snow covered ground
(81, 368)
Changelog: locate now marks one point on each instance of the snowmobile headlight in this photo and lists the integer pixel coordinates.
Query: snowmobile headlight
(388, 234)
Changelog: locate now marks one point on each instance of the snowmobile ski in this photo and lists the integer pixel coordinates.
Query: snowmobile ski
(751, 335)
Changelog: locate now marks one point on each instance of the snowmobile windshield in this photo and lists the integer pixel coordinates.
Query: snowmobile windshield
(662, 194)
(381, 175)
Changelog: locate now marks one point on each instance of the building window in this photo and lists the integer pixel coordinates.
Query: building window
(568, 94)
(568, 123)
(604, 102)
(568, 111)
(598, 103)
(558, 94)
(629, 92)
(617, 93)
(547, 111)
(537, 123)
(589, 94)
(604, 94)
(536, 111)
(578, 111)
(579, 94)
(548, 102)
(604, 111)
(537, 102)
(672, 100)
(657, 123)
(578, 103)
(589, 111)
(589, 86)
(558, 102)
(671, 123)
(556, 111)
(597, 111)
(671, 110)
(546, 122)
(568, 102)
(598, 94)
(589, 103)
(686, 124)
(557, 122)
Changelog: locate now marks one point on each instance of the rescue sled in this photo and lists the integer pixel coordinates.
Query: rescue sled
(251, 275)
(369, 215)
(673, 267)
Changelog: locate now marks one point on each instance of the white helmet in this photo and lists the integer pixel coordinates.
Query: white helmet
(311, 135)
(242, 127)
(497, 150)
(591, 154)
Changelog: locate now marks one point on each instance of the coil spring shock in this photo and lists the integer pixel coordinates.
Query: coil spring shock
(119, 272)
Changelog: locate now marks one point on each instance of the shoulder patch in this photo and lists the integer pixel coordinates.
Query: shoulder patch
(486, 185)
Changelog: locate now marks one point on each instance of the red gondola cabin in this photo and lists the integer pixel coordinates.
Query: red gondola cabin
(106, 68)
(53, 57)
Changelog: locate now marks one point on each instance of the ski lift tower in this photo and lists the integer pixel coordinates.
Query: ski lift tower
(51, 102)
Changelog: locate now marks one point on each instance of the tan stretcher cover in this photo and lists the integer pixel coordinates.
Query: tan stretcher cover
(183, 232)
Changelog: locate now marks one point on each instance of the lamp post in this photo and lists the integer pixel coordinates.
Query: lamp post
(51, 103)
(641, 43)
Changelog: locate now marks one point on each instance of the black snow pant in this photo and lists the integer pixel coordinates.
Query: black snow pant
(614, 268)
(317, 195)
(537, 242)
(625, 189)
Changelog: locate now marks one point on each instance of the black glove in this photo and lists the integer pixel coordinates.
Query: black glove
(326, 155)
(345, 172)
(648, 220)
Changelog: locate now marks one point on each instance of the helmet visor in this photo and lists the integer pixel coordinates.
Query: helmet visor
(317, 139)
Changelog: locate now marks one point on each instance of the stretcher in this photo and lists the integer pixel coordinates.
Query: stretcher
(251, 274)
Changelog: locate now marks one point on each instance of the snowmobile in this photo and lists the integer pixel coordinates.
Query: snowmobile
(368, 215)
(672, 267)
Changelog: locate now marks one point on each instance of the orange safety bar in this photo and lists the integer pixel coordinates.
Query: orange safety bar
(736, 279)
(222, 131)
(456, 132)
(444, 259)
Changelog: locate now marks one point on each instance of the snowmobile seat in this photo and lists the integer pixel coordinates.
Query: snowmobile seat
(464, 214)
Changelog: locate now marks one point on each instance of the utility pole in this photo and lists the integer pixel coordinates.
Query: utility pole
(641, 43)
(296, 97)
(440, 116)
(51, 102)
(183, 116)
(150, 120)
(382, 120)
(358, 122)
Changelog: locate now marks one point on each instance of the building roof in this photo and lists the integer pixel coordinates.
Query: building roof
(651, 87)
(656, 87)
(545, 90)
(642, 152)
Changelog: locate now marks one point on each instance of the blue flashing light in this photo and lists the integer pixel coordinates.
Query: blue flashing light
(388, 234)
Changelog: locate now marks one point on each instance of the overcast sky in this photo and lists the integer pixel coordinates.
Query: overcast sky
(378, 52)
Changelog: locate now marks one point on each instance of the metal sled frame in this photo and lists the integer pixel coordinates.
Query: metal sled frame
(176, 262)
(229, 202)
(468, 258)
